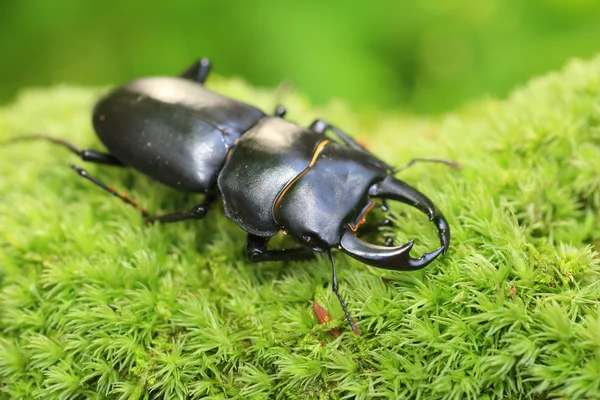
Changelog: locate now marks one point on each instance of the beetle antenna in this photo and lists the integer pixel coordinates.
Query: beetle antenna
(451, 164)
(83, 173)
(334, 286)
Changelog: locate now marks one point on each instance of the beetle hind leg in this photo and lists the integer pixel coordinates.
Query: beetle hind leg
(84, 174)
(197, 212)
(88, 155)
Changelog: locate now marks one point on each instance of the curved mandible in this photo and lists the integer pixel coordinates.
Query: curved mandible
(398, 258)
(394, 189)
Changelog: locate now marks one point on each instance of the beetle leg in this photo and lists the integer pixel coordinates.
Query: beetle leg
(198, 71)
(85, 154)
(256, 250)
(280, 111)
(84, 174)
(197, 212)
(321, 126)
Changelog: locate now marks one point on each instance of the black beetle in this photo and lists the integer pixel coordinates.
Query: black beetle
(273, 175)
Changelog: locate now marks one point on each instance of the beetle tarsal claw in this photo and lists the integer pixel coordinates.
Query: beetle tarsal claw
(396, 258)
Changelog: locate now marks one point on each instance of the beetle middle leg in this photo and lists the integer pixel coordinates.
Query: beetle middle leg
(198, 71)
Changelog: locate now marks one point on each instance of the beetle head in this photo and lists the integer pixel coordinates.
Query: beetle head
(329, 227)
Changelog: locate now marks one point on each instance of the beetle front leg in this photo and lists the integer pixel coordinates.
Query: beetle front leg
(334, 287)
(256, 250)
(198, 71)
(321, 126)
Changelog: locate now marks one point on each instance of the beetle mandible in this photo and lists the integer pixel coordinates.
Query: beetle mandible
(272, 174)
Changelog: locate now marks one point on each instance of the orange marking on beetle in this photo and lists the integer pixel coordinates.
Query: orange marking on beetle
(323, 317)
(236, 141)
(362, 218)
(228, 154)
(312, 162)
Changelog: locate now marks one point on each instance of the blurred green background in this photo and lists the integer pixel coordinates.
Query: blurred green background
(427, 56)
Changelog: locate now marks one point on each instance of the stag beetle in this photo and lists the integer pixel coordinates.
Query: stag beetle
(272, 174)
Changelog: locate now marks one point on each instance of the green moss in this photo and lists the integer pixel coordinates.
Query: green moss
(94, 304)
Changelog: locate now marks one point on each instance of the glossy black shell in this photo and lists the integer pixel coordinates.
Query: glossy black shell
(283, 176)
(172, 129)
